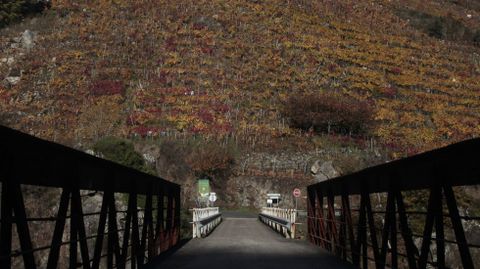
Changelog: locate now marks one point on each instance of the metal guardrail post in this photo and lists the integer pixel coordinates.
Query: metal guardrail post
(204, 221)
(280, 219)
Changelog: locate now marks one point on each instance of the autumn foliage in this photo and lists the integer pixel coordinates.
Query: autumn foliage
(211, 160)
(107, 87)
(224, 70)
(329, 113)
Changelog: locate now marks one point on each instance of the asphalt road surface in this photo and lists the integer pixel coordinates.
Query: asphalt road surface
(247, 243)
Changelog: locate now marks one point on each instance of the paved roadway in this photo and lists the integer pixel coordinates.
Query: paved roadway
(245, 242)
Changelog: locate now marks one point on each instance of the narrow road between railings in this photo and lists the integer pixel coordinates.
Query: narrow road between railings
(242, 241)
(205, 220)
(281, 220)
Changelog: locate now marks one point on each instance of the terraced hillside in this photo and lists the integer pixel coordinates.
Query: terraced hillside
(224, 69)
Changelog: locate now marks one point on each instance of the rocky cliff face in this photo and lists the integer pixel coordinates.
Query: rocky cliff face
(251, 191)
(257, 173)
(14, 49)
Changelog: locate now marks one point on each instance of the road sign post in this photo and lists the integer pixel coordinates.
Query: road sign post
(296, 194)
(212, 198)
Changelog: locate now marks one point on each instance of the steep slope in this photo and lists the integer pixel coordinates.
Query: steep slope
(224, 69)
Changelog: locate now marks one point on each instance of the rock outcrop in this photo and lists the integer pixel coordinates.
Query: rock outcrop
(323, 170)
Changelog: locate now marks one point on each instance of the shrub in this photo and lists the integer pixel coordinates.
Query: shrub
(436, 29)
(476, 38)
(11, 11)
(211, 160)
(441, 27)
(395, 71)
(329, 113)
(196, 158)
(120, 151)
(170, 44)
(3, 118)
(145, 131)
(107, 87)
(389, 92)
(205, 115)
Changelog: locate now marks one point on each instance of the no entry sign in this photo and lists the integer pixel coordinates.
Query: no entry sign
(297, 193)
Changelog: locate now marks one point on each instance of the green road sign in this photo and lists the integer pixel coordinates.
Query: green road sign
(204, 187)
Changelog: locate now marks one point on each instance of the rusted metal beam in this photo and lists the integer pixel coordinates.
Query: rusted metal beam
(393, 234)
(149, 221)
(440, 236)
(77, 208)
(101, 230)
(6, 228)
(332, 234)
(43, 163)
(343, 231)
(58, 231)
(22, 225)
(373, 232)
(159, 227)
(349, 223)
(412, 250)
(311, 214)
(361, 244)
(321, 220)
(170, 221)
(430, 171)
(386, 229)
(427, 230)
(458, 228)
(126, 234)
(457, 163)
(177, 216)
(73, 232)
(26, 160)
(135, 234)
(113, 238)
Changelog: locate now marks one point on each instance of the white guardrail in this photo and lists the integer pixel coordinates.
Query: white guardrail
(205, 220)
(280, 219)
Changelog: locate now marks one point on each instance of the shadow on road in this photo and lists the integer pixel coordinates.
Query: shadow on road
(165, 255)
(244, 242)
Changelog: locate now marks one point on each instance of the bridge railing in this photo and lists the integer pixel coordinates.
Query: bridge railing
(385, 216)
(280, 219)
(205, 220)
(99, 213)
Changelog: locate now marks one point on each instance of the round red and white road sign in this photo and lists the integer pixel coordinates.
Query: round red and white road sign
(297, 193)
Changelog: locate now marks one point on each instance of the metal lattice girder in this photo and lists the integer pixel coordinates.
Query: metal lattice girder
(358, 236)
(26, 160)
(454, 165)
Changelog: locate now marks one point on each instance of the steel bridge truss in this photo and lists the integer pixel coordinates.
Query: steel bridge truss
(148, 224)
(372, 218)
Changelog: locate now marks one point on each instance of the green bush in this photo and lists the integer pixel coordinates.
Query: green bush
(436, 29)
(476, 38)
(441, 27)
(15, 10)
(121, 151)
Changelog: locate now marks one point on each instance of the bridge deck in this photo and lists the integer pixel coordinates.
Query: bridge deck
(247, 243)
